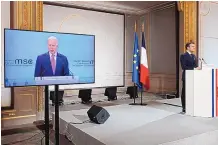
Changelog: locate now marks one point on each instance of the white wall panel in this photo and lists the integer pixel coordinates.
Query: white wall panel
(109, 40)
(5, 23)
(208, 32)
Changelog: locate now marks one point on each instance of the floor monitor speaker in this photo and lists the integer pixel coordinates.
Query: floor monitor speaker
(98, 114)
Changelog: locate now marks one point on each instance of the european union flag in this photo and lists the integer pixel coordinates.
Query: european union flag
(136, 62)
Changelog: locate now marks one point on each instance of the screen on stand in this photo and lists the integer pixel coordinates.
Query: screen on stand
(35, 58)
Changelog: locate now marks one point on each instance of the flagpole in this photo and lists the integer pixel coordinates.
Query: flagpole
(134, 90)
(142, 104)
(141, 97)
(143, 27)
(142, 88)
(134, 83)
(134, 93)
(136, 68)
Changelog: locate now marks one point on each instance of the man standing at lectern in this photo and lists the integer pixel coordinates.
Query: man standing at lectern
(51, 63)
(188, 62)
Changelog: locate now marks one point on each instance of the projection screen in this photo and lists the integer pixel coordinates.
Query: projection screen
(108, 29)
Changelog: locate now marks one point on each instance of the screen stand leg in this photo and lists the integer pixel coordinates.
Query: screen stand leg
(56, 115)
(46, 116)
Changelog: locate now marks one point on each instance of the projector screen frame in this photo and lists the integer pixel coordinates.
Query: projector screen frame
(103, 11)
(45, 32)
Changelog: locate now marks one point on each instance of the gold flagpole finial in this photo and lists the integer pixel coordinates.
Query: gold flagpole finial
(135, 26)
(143, 27)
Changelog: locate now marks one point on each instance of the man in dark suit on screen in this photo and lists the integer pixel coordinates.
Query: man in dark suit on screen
(188, 62)
(51, 63)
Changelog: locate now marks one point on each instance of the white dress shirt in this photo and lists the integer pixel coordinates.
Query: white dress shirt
(189, 52)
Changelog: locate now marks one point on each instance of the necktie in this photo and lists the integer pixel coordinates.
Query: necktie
(53, 63)
(193, 57)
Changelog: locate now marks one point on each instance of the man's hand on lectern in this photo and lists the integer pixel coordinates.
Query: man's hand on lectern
(198, 68)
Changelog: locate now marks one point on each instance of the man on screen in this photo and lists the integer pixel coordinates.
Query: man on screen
(51, 63)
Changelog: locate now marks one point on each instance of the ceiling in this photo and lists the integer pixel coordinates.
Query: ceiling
(140, 5)
(128, 7)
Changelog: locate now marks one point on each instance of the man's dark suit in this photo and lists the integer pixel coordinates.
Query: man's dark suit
(44, 68)
(188, 62)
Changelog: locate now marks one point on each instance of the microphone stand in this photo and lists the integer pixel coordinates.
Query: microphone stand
(42, 74)
(201, 62)
(204, 61)
(71, 74)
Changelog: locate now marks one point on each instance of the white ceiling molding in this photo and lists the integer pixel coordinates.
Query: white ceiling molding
(139, 8)
(156, 7)
(105, 6)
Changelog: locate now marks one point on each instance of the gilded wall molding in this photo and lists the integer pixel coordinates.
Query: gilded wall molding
(28, 15)
(189, 8)
(39, 27)
(180, 6)
(39, 15)
(190, 24)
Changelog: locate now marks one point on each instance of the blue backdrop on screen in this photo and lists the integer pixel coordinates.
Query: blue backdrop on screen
(23, 47)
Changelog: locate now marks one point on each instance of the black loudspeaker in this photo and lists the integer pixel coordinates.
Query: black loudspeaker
(111, 93)
(60, 97)
(98, 114)
(131, 91)
(85, 95)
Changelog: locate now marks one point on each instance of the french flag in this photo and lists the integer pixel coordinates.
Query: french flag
(216, 92)
(144, 71)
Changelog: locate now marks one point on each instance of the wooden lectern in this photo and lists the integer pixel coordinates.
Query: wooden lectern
(202, 92)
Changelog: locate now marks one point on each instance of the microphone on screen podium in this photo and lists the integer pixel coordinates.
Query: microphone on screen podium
(42, 74)
(71, 74)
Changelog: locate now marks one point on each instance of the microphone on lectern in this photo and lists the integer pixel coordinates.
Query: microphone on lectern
(201, 61)
(204, 61)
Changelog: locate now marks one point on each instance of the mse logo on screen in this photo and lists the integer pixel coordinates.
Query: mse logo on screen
(19, 62)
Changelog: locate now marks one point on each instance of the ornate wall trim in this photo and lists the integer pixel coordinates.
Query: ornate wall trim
(28, 15)
(189, 8)
(39, 15)
(39, 27)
